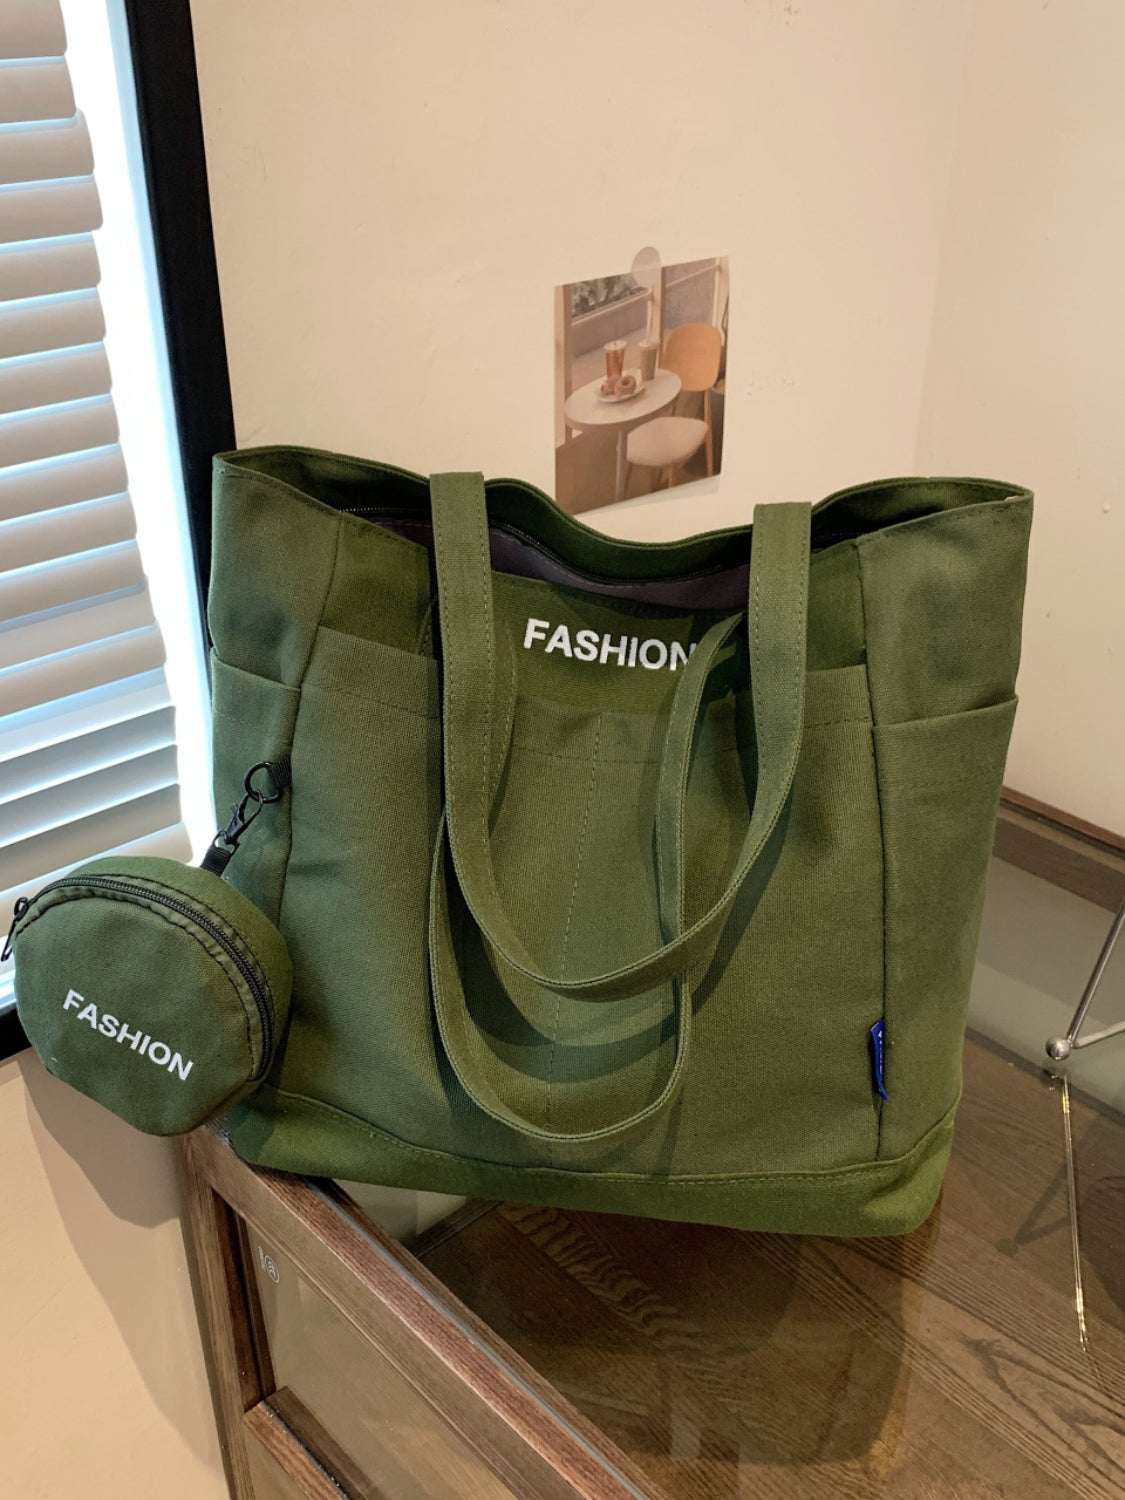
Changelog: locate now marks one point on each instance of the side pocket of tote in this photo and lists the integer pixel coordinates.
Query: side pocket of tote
(253, 719)
(939, 785)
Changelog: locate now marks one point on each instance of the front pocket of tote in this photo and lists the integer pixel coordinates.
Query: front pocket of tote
(365, 803)
(939, 784)
(781, 1075)
(366, 800)
(779, 1078)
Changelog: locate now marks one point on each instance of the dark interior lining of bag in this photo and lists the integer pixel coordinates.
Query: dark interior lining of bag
(531, 538)
(519, 556)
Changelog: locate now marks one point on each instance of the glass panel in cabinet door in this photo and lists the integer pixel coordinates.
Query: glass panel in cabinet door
(386, 1428)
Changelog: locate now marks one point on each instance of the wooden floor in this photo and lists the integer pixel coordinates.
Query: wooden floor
(950, 1363)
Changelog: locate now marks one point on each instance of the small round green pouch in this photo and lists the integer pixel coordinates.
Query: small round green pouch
(156, 988)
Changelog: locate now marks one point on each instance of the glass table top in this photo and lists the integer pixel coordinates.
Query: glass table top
(964, 1360)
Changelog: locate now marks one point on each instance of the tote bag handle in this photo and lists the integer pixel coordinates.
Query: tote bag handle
(474, 703)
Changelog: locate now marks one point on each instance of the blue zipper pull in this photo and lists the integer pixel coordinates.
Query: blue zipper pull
(876, 1037)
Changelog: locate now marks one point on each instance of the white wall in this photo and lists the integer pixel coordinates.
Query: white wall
(922, 204)
(1026, 375)
(398, 187)
(103, 1393)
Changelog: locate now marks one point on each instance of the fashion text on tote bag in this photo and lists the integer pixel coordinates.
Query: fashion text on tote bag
(635, 877)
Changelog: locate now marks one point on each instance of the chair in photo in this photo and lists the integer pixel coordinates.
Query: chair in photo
(693, 351)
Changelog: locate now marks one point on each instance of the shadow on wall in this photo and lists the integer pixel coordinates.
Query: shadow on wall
(105, 1176)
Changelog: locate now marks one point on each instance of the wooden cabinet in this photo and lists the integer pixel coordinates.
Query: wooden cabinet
(528, 1352)
(341, 1366)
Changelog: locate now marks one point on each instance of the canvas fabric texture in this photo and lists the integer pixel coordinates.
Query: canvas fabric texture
(601, 860)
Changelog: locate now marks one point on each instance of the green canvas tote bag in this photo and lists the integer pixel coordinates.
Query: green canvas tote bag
(644, 878)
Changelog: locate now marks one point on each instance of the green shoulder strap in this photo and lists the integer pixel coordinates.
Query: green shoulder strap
(474, 698)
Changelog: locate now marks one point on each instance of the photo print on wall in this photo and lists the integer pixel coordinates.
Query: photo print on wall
(640, 380)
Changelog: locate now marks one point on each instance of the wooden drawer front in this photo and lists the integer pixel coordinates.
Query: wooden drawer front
(340, 1394)
(270, 1480)
(279, 1468)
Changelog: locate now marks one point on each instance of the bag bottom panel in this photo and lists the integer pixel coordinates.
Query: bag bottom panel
(290, 1133)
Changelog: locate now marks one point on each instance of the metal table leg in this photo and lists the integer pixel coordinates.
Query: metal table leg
(1060, 1047)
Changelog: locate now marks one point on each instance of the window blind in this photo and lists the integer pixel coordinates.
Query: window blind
(87, 737)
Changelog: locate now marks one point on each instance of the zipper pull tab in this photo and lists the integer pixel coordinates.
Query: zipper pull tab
(275, 777)
(17, 912)
(878, 1041)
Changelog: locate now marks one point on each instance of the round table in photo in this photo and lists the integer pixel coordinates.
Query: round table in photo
(584, 410)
